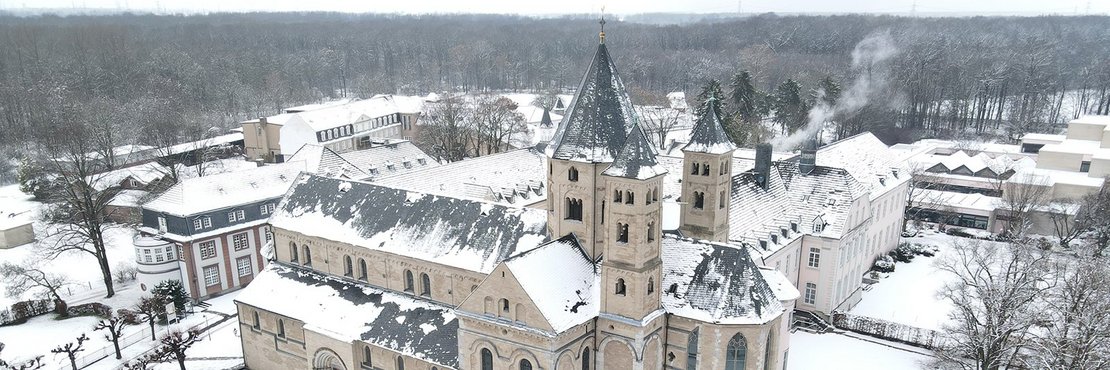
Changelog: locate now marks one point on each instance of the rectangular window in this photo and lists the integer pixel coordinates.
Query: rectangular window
(243, 265)
(269, 234)
(202, 223)
(815, 257)
(234, 216)
(811, 293)
(208, 249)
(240, 241)
(211, 275)
(180, 252)
(146, 256)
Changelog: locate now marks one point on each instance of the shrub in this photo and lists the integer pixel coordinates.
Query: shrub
(883, 264)
(904, 253)
(924, 250)
(957, 231)
(90, 309)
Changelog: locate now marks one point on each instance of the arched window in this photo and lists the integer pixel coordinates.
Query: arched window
(629, 197)
(655, 195)
(572, 174)
(425, 285)
(699, 200)
(618, 196)
(281, 328)
(487, 359)
(348, 267)
(622, 232)
(504, 303)
(400, 363)
(692, 351)
(651, 285)
(525, 365)
(293, 252)
(573, 209)
(735, 355)
(362, 274)
(721, 200)
(620, 287)
(257, 323)
(366, 357)
(408, 281)
(768, 354)
(651, 231)
(694, 170)
(724, 165)
(586, 359)
(307, 255)
(705, 169)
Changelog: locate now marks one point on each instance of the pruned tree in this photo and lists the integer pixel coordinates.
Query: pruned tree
(114, 325)
(27, 277)
(149, 309)
(996, 293)
(71, 349)
(34, 363)
(173, 347)
(446, 130)
(1075, 332)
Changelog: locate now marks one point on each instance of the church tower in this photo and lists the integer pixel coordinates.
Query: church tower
(591, 134)
(707, 178)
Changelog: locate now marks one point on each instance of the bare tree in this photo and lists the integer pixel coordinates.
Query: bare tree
(174, 345)
(996, 295)
(660, 122)
(1076, 322)
(71, 349)
(23, 278)
(149, 309)
(1021, 195)
(1064, 223)
(918, 192)
(1092, 216)
(446, 131)
(31, 364)
(495, 121)
(114, 325)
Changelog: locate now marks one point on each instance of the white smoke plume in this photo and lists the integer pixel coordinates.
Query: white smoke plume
(869, 53)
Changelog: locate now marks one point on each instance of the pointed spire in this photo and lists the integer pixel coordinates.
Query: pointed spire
(599, 116)
(637, 159)
(708, 135)
(545, 121)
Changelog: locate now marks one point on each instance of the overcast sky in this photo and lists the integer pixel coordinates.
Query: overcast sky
(540, 7)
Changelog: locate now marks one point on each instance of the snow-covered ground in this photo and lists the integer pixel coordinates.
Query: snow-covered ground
(843, 352)
(909, 294)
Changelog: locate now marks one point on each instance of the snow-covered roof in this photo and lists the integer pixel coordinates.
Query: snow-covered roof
(868, 160)
(599, 117)
(824, 196)
(1073, 146)
(513, 178)
(360, 110)
(203, 143)
(466, 234)
(315, 106)
(708, 135)
(390, 158)
(1035, 138)
(350, 311)
(677, 99)
(13, 219)
(321, 160)
(572, 298)
(715, 283)
(637, 159)
(128, 198)
(782, 287)
(144, 173)
(202, 194)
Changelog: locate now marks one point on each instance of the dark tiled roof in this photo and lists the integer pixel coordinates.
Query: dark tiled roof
(599, 116)
(708, 135)
(715, 283)
(637, 159)
(351, 311)
(461, 233)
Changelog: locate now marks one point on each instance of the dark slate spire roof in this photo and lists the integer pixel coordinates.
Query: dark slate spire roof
(708, 135)
(637, 159)
(546, 120)
(599, 117)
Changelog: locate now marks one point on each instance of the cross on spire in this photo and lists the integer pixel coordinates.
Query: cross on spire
(602, 22)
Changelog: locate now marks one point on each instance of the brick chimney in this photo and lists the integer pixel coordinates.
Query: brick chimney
(762, 164)
(808, 160)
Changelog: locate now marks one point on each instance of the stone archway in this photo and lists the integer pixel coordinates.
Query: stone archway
(617, 355)
(326, 359)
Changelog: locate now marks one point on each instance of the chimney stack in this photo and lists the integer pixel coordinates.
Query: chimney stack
(762, 164)
(808, 160)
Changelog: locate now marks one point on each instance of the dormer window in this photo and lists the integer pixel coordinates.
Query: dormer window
(572, 174)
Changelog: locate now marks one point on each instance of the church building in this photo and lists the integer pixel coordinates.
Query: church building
(376, 276)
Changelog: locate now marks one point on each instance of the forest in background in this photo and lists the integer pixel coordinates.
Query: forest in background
(945, 77)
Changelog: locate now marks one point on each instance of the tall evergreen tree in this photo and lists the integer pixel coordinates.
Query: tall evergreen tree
(745, 98)
(711, 88)
(828, 91)
(791, 110)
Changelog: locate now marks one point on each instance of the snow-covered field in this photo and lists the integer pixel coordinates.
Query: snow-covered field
(842, 352)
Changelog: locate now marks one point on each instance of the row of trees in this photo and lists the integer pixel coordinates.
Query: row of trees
(455, 128)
